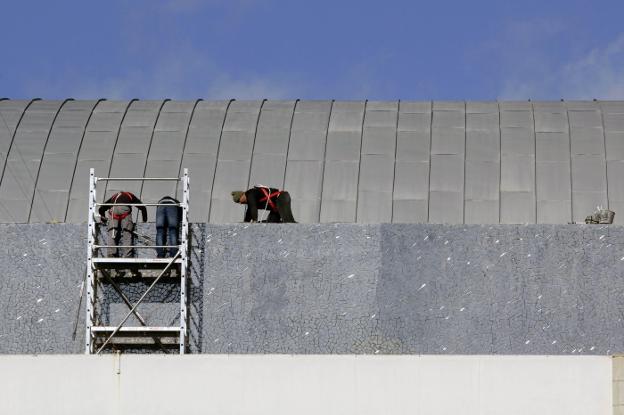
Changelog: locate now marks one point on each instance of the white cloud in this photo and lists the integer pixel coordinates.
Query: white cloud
(533, 66)
(182, 74)
(599, 74)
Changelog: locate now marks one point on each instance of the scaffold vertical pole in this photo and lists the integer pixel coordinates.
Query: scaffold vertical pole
(184, 266)
(91, 234)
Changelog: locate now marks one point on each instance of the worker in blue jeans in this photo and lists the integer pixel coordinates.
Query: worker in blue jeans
(168, 220)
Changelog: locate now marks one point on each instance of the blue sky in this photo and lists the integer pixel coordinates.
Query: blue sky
(314, 49)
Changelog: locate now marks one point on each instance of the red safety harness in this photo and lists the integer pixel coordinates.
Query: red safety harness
(268, 196)
(122, 215)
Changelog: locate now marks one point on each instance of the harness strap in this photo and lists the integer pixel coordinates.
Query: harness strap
(122, 215)
(268, 196)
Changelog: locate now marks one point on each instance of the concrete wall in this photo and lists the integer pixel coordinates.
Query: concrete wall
(344, 289)
(208, 384)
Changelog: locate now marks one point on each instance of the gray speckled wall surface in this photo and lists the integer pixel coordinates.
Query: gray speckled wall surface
(344, 288)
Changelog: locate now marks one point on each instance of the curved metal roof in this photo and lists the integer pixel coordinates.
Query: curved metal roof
(342, 161)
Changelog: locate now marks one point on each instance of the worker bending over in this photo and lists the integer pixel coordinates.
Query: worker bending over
(118, 218)
(168, 217)
(276, 201)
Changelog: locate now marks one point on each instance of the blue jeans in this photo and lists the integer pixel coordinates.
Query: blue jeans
(167, 223)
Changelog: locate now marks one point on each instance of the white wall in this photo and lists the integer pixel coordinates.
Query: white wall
(304, 384)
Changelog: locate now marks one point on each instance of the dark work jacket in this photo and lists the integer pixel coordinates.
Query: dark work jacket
(254, 195)
(120, 198)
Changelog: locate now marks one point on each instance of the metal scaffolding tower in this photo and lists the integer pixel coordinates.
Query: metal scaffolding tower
(100, 267)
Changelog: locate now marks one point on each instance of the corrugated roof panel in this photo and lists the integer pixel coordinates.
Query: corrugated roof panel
(587, 141)
(201, 169)
(380, 118)
(304, 182)
(411, 180)
(518, 173)
(310, 121)
(125, 165)
(582, 105)
(413, 146)
(236, 145)
(589, 174)
(410, 211)
(134, 140)
(415, 107)
(23, 161)
(553, 180)
(105, 121)
(414, 122)
(278, 105)
(482, 211)
(517, 207)
(448, 141)
(612, 107)
(58, 163)
(245, 106)
(392, 106)
(340, 184)
(271, 121)
(474, 107)
(347, 121)
(240, 121)
(516, 119)
(376, 173)
(379, 140)
(615, 172)
(348, 106)
(338, 211)
(449, 119)
(173, 121)
(343, 145)
(165, 155)
(231, 175)
(482, 122)
(482, 180)
(585, 119)
(52, 193)
(374, 207)
(483, 145)
(615, 145)
(446, 207)
(447, 173)
(96, 151)
(140, 117)
(554, 211)
(313, 106)
(550, 106)
(614, 122)
(234, 159)
(307, 145)
(549, 122)
(519, 141)
(553, 147)
(272, 141)
(268, 169)
(200, 154)
(449, 106)
(515, 106)
(10, 115)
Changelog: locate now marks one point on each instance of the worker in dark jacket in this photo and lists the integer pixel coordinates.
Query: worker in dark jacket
(118, 218)
(276, 201)
(168, 218)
